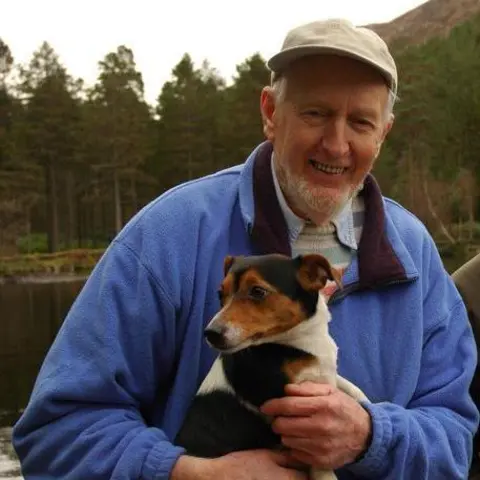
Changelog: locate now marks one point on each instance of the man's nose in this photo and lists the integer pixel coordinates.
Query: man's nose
(334, 139)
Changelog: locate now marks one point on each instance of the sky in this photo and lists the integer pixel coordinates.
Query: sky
(159, 32)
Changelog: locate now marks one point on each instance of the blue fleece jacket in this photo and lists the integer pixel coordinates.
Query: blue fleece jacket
(129, 357)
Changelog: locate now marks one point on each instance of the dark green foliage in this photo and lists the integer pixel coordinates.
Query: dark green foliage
(76, 163)
(430, 161)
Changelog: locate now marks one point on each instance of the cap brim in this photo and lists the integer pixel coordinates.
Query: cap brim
(279, 62)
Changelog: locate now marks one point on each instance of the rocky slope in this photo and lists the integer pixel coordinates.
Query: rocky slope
(433, 18)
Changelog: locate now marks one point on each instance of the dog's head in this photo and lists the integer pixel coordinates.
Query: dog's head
(264, 296)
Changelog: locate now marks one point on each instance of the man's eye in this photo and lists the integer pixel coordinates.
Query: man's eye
(314, 113)
(362, 122)
(257, 293)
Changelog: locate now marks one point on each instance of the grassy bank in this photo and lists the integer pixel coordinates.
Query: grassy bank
(80, 262)
(70, 262)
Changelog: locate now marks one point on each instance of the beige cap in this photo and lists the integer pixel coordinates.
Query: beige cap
(339, 37)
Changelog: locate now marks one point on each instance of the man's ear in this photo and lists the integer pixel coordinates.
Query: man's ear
(267, 109)
(387, 127)
(314, 271)
(386, 130)
(227, 263)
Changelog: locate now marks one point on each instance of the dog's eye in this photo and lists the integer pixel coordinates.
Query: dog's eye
(258, 293)
(220, 295)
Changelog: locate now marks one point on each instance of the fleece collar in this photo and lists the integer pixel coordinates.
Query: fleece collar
(378, 262)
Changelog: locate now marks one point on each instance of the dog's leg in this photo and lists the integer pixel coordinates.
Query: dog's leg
(321, 372)
(350, 389)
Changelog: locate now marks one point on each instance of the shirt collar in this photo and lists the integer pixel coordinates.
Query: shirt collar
(343, 222)
(295, 224)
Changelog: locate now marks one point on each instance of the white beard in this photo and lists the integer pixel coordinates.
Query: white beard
(316, 203)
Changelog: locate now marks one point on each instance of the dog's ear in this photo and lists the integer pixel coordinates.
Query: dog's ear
(227, 263)
(314, 270)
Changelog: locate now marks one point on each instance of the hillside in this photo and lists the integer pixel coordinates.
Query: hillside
(433, 18)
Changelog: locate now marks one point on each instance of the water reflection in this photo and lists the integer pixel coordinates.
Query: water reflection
(9, 468)
(30, 316)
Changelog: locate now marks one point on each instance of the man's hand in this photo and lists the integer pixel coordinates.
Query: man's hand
(323, 426)
(245, 465)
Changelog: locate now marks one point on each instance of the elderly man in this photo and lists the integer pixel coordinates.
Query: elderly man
(120, 376)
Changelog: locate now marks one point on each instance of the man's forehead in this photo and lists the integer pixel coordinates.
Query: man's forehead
(367, 102)
(367, 95)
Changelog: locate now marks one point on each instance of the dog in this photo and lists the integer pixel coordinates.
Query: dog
(271, 330)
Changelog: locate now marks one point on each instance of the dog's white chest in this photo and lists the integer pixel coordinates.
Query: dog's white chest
(324, 370)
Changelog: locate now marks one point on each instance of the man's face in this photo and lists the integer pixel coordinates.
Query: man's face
(326, 131)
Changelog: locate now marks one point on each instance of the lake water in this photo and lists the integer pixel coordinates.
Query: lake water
(30, 316)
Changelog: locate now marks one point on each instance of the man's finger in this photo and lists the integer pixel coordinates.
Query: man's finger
(307, 389)
(298, 444)
(295, 406)
(284, 458)
(303, 457)
(296, 426)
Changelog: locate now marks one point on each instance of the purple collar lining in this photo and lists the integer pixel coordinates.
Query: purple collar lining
(377, 261)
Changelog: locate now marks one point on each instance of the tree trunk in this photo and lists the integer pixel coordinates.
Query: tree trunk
(52, 208)
(70, 209)
(95, 215)
(471, 217)
(133, 193)
(411, 179)
(117, 201)
(80, 220)
(28, 226)
(471, 211)
(433, 212)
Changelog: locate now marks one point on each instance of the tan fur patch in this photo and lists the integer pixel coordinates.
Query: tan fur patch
(227, 263)
(257, 319)
(315, 271)
(226, 288)
(295, 367)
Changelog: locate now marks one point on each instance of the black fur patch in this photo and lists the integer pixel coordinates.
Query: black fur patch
(217, 424)
(256, 374)
(280, 272)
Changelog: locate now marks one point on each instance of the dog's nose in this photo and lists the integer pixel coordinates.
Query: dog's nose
(215, 335)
